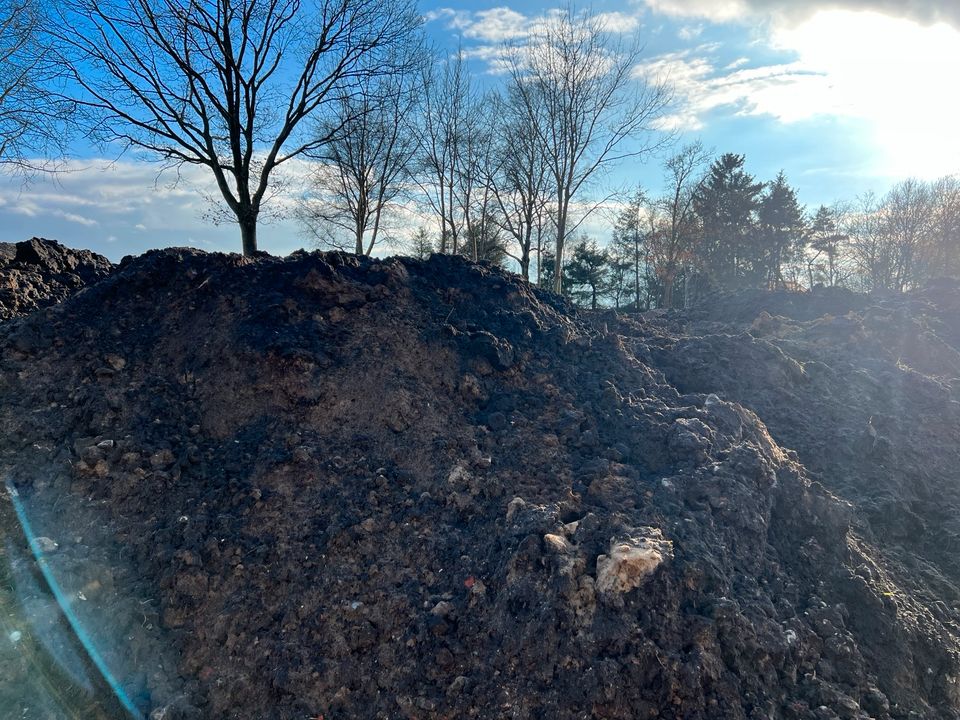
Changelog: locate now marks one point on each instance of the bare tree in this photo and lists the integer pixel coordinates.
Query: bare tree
(31, 115)
(225, 84)
(944, 255)
(868, 247)
(519, 178)
(449, 117)
(479, 162)
(363, 168)
(908, 215)
(579, 80)
(669, 247)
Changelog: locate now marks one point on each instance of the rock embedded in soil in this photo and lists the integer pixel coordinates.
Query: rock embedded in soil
(631, 560)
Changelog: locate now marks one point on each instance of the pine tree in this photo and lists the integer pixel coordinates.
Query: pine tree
(587, 272)
(825, 240)
(421, 245)
(782, 230)
(630, 247)
(726, 204)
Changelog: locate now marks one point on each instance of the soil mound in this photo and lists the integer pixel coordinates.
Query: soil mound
(404, 489)
(745, 305)
(38, 272)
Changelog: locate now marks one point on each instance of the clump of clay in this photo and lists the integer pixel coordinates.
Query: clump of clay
(630, 561)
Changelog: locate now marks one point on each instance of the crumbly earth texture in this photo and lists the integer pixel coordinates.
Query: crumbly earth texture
(405, 489)
(37, 273)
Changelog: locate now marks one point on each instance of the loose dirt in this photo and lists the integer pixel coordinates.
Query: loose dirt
(401, 489)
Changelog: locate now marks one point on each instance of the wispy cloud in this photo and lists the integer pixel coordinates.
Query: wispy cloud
(690, 32)
(702, 87)
(139, 209)
(796, 11)
(75, 218)
(489, 32)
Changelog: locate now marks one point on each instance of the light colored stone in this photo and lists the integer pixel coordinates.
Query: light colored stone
(442, 609)
(631, 560)
(557, 543)
(116, 362)
(514, 506)
(45, 544)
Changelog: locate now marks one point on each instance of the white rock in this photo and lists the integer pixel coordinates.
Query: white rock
(557, 543)
(631, 560)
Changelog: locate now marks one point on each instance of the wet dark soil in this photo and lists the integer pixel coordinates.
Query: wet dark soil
(404, 489)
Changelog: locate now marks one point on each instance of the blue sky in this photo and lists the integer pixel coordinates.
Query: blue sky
(845, 96)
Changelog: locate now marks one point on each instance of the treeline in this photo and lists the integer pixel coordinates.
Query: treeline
(507, 173)
(262, 93)
(716, 227)
(342, 105)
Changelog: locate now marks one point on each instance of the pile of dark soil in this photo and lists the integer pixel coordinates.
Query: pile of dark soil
(402, 489)
(744, 305)
(37, 273)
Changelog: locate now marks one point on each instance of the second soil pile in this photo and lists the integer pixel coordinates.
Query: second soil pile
(402, 489)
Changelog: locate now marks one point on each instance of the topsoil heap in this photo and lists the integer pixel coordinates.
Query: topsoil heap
(403, 489)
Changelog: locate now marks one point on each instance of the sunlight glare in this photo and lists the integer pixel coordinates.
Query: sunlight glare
(895, 73)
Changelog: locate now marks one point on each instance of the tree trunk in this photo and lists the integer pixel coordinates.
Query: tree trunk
(558, 258)
(539, 259)
(558, 269)
(525, 266)
(248, 234)
(358, 236)
(668, 290)
(636, 271)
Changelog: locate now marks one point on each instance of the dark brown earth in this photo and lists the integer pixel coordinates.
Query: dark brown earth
(403, 489)
(38, 272)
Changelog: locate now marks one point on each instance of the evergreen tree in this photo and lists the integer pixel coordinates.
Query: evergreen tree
(826, 241)
(587, 272)
(782, 230)
(620, 280)
(547, 270)
(629, 246)
(421, 245)
(726, 203)
(484, 240)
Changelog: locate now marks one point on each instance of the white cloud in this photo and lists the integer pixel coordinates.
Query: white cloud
(433, 15)
(888, 72)
(496, 25)
(791, 12)
(895, 73)
(619, 22)
(127, 199)
(713, 10)
(690, 32)
(75, 218)
(494, 30)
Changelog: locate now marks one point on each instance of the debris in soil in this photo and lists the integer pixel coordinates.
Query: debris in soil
(404, 489)
(37, 273)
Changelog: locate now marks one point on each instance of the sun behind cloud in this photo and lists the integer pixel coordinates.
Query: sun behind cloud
(898, 74)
